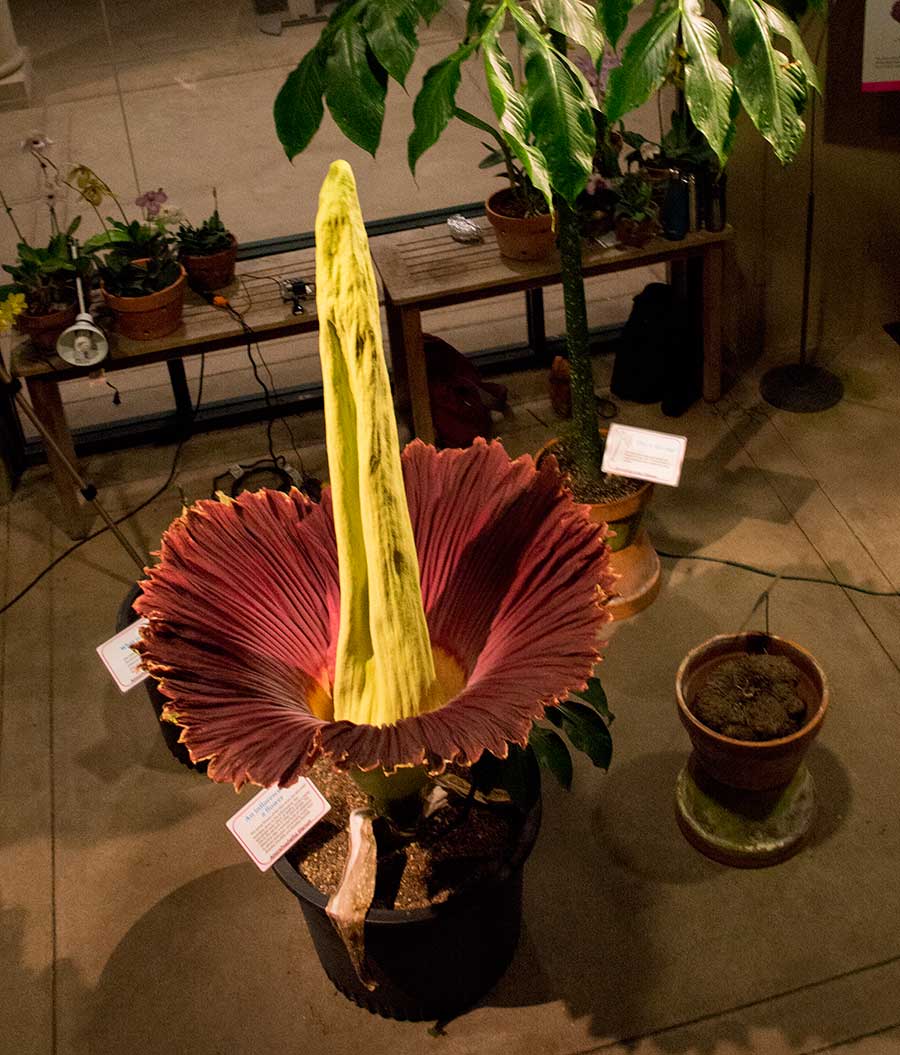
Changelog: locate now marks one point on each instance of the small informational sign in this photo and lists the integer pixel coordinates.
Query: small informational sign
(644, 454)
(121, 660)
(272, 821)
(881, 47)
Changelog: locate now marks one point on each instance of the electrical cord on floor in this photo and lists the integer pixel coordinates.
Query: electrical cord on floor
(173, 471)
(777, 574)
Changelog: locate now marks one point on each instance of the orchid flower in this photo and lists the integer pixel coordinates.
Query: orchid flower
(427, 611)
(151, 201)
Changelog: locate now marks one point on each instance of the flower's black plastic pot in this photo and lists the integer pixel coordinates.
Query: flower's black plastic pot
(429, 963)
(126, 616)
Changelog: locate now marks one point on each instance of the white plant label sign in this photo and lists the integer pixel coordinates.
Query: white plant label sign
(121, 660)
(644, 454)
(272, 821)
(881, 47)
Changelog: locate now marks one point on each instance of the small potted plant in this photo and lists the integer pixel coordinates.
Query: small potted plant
(140, 278)
(636, 214)
(208, 252)
(46, 279)
(411, 643)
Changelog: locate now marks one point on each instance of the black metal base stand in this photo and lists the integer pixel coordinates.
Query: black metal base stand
(801, 388)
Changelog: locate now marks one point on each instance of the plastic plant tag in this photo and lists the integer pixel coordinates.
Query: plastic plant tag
(121, 660)
(644, 454)
(272, 821)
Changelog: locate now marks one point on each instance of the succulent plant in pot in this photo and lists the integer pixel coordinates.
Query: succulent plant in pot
(389, 636)
(208, 252)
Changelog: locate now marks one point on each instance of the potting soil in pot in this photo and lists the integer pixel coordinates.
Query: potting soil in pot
(608, 488)
(752, 697)
(450, 851)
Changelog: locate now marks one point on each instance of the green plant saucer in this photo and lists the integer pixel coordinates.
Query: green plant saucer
(744, 829)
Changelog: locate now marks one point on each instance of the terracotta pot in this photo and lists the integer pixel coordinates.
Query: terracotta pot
(212, 271)
(633, 557)
(430, 963)
(635, 232)
(146, 318)
(520, 237)
(43, 330)
(754, 765)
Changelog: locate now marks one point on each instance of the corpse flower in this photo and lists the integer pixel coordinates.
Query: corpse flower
(427, 611)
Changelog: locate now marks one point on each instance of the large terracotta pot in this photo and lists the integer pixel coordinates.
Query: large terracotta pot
(146, 318)
(520, 237)
(750, 764)
(43, 330)
(212, 271)
(633, 557)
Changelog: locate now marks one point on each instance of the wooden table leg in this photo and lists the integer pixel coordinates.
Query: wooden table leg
(48, 406)
(713, 265)
(410, 372)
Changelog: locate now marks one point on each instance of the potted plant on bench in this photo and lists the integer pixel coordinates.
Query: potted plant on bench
(208, 252)
(386, 635)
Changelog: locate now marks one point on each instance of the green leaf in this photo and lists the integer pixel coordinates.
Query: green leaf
(614, 14)
(645, 62)
(585, 729)
(298, 106)
(477, 17)
(772, 90)
(595, 695)
(708, 85)
(575, 19)
(560, 104)
(435, 104)
(512, 113)
(427, 8)
(551, 752)
(390, 27)
(783, 26)
(355, 87)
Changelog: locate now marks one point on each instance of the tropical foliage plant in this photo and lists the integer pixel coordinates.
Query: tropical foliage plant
(46, 275)
(212, 236)
(548, 118)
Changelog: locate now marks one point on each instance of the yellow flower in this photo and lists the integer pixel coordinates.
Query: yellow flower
(90, 185)
(10, 308)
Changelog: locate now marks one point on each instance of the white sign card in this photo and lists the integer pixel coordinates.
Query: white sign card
(121, 660)
(272, 821)
(644, 454)
(881, 47)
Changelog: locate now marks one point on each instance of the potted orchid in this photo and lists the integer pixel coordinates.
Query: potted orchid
(208, 252)
(411, 642)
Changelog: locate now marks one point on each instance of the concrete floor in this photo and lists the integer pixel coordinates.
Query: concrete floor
(131, 920)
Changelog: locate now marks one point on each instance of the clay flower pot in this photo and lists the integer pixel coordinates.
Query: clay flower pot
(632, 557)
(519, 237)
(43, 330)
(146, 318)
(212, 271)
(754, 765)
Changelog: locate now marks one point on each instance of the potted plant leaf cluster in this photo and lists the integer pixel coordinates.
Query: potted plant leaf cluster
(635, 212)
(208, 252)
(411, 643)
(549, 118)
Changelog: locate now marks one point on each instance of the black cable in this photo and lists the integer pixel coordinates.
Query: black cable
(777, 575)
(125, 516)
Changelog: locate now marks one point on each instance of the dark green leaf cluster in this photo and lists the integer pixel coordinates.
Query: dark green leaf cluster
(584, 719)
(683, 146)
(125, 278)
(634, 198)
(134, 258)
(210, 237)
(47, 275)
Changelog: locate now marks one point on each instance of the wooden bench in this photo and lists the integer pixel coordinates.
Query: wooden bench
(255, 293)
(424, 268)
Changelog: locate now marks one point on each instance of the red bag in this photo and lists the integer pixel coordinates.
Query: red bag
(457, 393)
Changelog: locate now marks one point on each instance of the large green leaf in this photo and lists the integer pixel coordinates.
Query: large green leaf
(512, 113)
(614, 15)
(355, 87)
(435, 104)
(785, 27)
(551, 752)
(576, 20)
(595, 695)
(708, 85)
(390, 28)
(298, 106)
(645, 61)
(585, 729)
(772, 89)
(428, 8)
(560, 104)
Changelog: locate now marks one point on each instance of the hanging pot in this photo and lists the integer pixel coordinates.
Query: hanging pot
(430, 963)
(519, 237)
